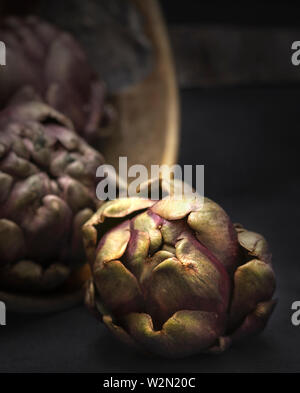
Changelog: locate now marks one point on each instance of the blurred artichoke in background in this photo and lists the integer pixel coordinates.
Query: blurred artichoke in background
(43, 60)
(47, 182)
(175, 277)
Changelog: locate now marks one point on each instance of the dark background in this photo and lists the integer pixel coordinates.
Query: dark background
(247, 138)
(254, 12)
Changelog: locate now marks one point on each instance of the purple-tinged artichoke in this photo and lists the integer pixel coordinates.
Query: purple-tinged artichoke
(175, 277)
(47, 182)
(43, 59)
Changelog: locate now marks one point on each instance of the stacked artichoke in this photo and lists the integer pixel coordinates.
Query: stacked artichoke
(49, 94)
(47, 62)
(176, 277)
(47, 182)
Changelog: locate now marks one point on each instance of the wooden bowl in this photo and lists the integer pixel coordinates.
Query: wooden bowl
(147, 132)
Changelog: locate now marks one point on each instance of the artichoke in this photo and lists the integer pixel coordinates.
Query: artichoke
(47, 182)
(176, 277)
(45, 60)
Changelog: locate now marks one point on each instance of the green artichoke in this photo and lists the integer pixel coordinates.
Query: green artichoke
(47, 182)
(176, 277)
(43, 60)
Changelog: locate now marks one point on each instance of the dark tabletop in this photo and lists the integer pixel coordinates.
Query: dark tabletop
(247, 140)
